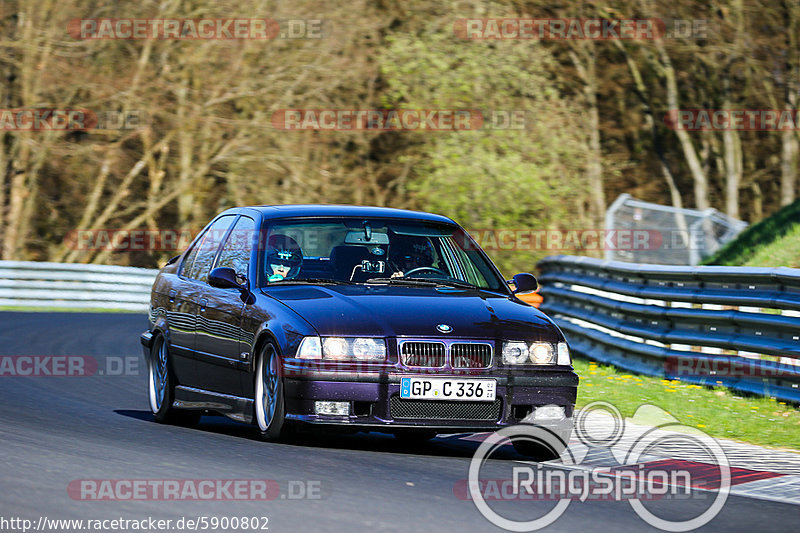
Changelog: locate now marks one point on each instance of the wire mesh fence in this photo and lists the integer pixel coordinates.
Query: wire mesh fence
(687, 236)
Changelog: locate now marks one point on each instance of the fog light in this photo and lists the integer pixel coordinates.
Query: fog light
(332, 408)
(549, 412)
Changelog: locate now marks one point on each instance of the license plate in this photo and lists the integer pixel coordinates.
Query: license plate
(448, 389)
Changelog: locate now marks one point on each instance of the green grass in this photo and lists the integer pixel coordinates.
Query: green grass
(775, 241)
(718, 412)
(783, 252)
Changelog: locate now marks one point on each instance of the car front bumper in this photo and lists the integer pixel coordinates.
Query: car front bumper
(375, 403)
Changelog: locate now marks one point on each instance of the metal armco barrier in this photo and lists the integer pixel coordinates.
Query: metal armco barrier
(737, 326)
(78, 286)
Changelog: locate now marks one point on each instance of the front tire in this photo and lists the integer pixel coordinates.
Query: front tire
(161, 388)
(269, 405)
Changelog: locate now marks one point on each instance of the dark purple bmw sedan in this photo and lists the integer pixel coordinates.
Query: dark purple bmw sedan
(373, 319)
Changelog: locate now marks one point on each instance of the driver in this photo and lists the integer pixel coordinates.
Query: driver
(284, 257)
(409, 253)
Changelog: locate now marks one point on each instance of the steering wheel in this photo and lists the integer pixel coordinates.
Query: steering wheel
(413, 270)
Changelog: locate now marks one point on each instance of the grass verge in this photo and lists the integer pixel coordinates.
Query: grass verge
(775, 241)
(718, 412)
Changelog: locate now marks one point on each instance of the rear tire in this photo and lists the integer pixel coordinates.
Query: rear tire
(269, 405)
(161, 388)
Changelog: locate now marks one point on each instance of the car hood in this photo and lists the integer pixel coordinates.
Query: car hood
(368, 310)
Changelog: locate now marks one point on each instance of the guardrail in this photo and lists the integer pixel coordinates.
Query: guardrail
(735, 326)
(79, 286)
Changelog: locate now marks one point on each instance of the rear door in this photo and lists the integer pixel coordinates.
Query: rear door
(181, 316)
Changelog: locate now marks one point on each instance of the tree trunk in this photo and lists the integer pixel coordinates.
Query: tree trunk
(789, 143)
(789, 149)
(586, 67)
(733, 168)
(644, 98)
(695, 167)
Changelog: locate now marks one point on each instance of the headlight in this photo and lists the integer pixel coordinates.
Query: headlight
(310, 348)
(347, 349)
(535, 353)
(515, 353)
(541, 353)
(563, 354)
(369, 349)
(335, 348)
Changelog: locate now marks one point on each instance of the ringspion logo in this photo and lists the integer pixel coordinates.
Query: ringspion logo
(634, 475)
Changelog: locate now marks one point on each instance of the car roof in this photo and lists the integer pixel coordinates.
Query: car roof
(327, 210)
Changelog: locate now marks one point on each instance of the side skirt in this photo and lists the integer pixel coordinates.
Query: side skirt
(234, 407)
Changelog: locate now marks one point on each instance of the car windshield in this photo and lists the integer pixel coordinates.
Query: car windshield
(385, 251)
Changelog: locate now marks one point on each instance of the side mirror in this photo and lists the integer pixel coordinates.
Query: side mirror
(524, 283)
(223, 278)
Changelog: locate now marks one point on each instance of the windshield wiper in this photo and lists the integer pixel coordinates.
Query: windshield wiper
(403, 281)
(457, 283)
(424, 282)
(310, 280)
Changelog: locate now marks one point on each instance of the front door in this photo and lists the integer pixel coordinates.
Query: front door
(219, 317)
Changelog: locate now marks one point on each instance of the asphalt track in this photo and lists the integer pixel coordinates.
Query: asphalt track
(56, 430)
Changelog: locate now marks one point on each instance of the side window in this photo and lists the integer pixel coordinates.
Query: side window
(186, 267)
(236, 250)
(207, 248)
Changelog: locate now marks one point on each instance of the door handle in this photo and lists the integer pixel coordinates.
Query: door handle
(203, 304)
